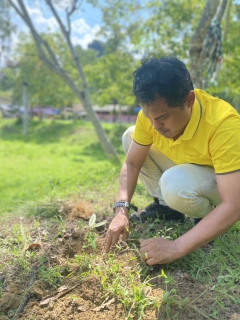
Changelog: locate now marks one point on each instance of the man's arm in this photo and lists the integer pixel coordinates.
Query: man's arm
(160, 251)
(128, 179)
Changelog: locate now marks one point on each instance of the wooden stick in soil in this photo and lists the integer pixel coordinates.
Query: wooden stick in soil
(26, 298)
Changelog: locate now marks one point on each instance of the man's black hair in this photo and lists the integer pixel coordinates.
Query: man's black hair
(166, 78)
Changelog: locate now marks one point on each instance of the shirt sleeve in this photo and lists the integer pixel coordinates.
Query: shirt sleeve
(143, 130)
(225, 146)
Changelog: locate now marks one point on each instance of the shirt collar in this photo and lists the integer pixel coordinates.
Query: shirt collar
(194, 121)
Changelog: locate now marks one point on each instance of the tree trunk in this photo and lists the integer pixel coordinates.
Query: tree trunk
(196, 43)
(104, 141)
(222, 10)
(25, 109)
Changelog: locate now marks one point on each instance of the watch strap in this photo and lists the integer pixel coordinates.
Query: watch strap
(124, 204)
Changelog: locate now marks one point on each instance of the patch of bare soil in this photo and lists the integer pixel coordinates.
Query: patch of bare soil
(28, 292)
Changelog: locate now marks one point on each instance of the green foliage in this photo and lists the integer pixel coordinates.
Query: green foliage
(128, 289)
(91, 240)
(6, 26)
(51, 276)
(159, 28)
(152, 27)
(110, 79)
(45, 88)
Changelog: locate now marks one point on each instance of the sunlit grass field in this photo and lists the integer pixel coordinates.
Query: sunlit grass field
(55, 159)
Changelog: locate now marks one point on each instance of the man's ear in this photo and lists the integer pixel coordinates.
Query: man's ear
(190, 99)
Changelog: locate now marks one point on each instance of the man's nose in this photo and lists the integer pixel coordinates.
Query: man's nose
(157, 124)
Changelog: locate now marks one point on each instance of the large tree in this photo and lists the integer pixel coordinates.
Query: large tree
(164, 27)
(52, 60)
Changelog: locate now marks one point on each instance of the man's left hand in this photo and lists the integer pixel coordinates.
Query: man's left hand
(158, 251)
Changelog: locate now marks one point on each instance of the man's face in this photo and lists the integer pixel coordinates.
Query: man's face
(169, 122)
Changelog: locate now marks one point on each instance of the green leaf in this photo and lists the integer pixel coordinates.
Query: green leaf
(92, 220)
(99, 224)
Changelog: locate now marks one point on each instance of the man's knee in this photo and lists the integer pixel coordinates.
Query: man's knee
(181, 192)
(127, 138)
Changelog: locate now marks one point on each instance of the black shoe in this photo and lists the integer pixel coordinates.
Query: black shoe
(157, 211)
(196, 220)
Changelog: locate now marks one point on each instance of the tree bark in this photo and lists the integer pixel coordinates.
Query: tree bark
(225, 33)
(48, 57)
(196, 43)
(196, 51)
(222, 10)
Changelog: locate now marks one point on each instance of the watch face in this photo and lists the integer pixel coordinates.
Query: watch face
(121, 204)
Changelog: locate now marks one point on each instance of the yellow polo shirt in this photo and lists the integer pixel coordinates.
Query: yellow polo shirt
(211, 137)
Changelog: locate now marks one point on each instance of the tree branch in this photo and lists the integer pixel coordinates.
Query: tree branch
(74, 8)
(225, 33)
(16, 9)
(61, 25)
(68, 23)
(53, 64)
(222, 10)
(69, 13)
(69, 42)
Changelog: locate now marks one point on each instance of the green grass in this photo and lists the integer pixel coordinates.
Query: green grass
(55, 159)
(63, 159)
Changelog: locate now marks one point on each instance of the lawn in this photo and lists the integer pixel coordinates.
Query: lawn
(51, 262)
(56, 159)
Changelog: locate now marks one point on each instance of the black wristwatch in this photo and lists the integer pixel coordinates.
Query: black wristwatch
(124, 204)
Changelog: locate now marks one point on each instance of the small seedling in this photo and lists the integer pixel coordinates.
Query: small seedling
(92, 222)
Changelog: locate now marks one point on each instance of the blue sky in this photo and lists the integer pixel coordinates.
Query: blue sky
(85, 24)
(92, 15)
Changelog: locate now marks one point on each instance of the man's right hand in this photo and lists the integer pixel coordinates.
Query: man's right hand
(117, 230)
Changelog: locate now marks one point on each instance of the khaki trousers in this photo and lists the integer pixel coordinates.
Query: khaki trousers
(188, 188)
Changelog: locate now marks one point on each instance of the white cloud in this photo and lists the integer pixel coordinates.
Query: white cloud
(80, 26)
(42, 23)
(82, 33)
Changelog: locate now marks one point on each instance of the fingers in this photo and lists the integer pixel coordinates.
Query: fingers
(146, 257)
(117, 231)
(110, 241)
(145, 251)
(143, 242)
(107, 244)
(125, 234)
(150, 262)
